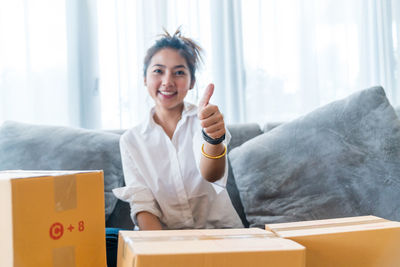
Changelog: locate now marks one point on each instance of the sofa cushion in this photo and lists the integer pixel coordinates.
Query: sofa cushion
(34, 147)
(271, 125)
(340, 160)
(242, 132)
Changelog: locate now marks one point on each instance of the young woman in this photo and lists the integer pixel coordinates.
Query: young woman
(174, 163)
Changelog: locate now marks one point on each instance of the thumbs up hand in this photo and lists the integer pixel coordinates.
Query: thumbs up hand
(209, 115)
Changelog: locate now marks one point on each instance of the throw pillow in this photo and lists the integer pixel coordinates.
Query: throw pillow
(340, 160)
(34, 147)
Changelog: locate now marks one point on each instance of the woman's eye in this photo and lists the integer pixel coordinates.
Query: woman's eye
(157, 71)
(180, 72)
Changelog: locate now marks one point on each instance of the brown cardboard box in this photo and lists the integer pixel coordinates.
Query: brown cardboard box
(212, 248)
(52, 219)
(356, 241)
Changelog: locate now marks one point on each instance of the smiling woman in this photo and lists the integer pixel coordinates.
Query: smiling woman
(170, 180)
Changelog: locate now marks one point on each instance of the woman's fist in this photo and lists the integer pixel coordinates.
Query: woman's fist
(211, 119)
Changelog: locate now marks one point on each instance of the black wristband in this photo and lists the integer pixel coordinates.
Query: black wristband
(212, 141)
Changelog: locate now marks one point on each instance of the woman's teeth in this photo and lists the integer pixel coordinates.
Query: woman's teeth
(167, 93)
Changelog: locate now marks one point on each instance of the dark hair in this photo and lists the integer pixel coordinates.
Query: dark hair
(186, 47)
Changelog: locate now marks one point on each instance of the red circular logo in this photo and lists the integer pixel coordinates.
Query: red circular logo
(56, 230)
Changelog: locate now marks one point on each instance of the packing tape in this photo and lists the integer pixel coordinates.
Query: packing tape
(64, 257)
(132, 239)
(327, 225)
(65, 198)
(65, 192)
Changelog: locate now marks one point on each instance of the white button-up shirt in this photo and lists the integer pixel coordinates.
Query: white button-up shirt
(162, 176)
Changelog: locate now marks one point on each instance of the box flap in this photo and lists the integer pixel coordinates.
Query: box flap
(205, 241)
(359, 223)
(19, 174)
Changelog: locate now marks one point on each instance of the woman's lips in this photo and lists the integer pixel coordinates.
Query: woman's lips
(167, 94)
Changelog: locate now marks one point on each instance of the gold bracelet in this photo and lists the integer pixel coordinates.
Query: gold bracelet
(212, 157)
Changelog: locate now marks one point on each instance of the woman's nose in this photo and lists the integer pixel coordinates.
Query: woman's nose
(167, 80)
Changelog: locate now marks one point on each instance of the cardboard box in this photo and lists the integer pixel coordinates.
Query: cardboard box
(356, 241)
(52, 219)
(212, 248)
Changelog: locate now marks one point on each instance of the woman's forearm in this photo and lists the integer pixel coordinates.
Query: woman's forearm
(212, 169)
(148, 221)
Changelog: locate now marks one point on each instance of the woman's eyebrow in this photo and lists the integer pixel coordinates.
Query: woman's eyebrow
(159, 65)
(175, 67)
(180, 66)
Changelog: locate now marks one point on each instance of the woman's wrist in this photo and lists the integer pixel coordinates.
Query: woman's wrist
(210, 140)
(213, 151)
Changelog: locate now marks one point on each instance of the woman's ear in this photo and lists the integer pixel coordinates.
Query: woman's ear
(145, 81)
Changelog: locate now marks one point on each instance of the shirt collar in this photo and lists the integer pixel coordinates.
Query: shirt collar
(189, 110)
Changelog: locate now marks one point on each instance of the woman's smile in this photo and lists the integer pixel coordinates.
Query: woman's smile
(167, 94)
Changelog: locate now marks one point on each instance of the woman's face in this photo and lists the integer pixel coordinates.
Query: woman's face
(168, 79)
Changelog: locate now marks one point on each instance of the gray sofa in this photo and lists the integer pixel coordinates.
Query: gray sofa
(340, 160)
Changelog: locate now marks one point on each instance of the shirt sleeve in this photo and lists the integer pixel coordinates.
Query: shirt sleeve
(136, 192)
(198, 141)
